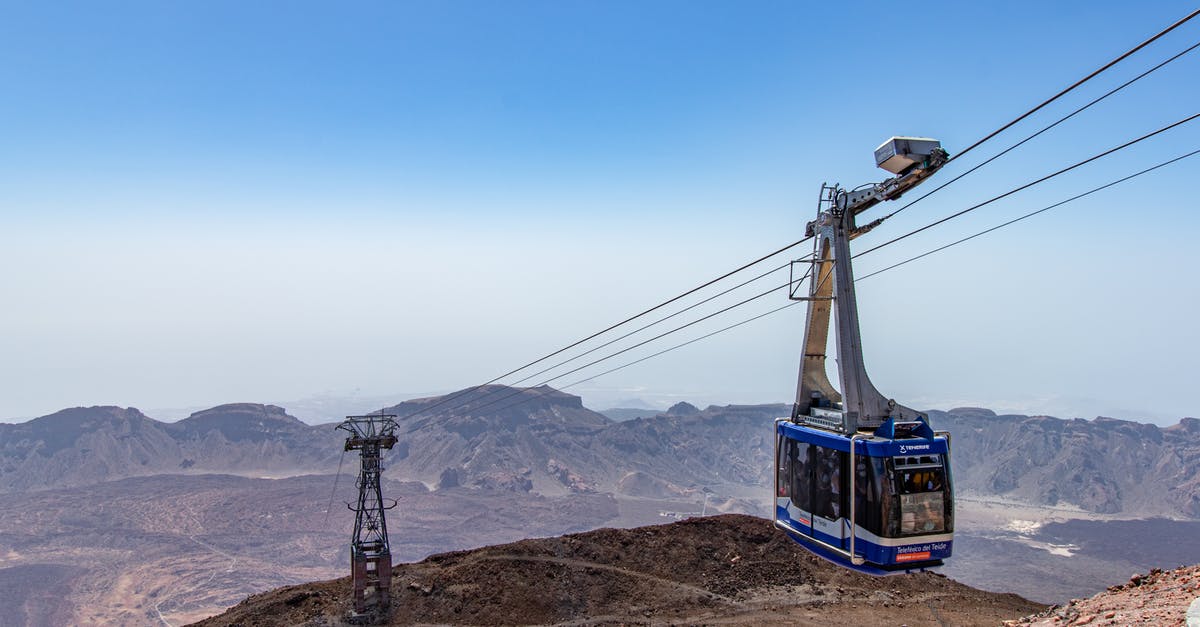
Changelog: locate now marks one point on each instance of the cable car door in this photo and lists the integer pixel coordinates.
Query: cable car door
(829, 496)
(793, 499)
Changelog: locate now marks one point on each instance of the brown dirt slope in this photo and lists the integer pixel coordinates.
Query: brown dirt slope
(1160, 598)
(721, 569)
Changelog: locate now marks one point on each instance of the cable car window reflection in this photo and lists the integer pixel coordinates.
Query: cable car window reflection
(889, 499)
(922, 505)
(783, 477)
(829, 477)
(870, 475)
(801, 475)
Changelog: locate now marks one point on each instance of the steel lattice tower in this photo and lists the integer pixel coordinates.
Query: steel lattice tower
(370, 555)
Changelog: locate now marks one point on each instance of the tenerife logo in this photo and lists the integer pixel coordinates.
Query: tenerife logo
(912, 448)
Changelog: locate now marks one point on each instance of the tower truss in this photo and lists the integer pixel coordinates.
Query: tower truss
(370, 553)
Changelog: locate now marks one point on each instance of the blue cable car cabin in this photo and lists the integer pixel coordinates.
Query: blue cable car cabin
(902, 505)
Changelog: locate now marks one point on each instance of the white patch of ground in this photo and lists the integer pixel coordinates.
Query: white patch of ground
(1023, 527)
(1067, 550)
(1017, 521)
(1061, 550)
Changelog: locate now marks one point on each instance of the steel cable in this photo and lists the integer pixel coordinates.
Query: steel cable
(645, 326)
(1079, 82)
(462, 393)
(976, 144)
(638, 345)
(1044, 129)
(1030, 214)
(1029, 184)
(537, 393)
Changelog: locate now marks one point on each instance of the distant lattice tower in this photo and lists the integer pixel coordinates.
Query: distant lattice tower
(370, 555)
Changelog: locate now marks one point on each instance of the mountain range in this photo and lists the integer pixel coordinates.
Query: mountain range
(110, 516)
(1104, 465)
(88, 445)
(544, 441)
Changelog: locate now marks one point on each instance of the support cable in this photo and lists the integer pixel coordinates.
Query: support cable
(333, 492)
(1079, 82)
(639, 344)
(537, 393)
(648, 325)
(513, 393)
(691, 341)
(981, 141)
(1043, 130)
(470, 390)
(1030, 214)
(1030, 184)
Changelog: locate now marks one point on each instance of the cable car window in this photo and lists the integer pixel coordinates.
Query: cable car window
(787, 452)
(922, 506)
(801, 476)
(783, 466)
(870, 475)
(829, 477)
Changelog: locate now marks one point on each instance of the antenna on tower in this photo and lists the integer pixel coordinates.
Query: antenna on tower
(370, 554)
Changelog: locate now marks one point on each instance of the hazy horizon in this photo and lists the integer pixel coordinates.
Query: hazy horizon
(330, 406)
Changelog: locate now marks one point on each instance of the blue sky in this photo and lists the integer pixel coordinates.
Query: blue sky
(216, 202)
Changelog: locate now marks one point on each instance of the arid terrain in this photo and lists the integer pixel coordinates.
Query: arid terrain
(1053, 554)
(1158, 598)
(176, 548)
(722, 569)
(108, 516)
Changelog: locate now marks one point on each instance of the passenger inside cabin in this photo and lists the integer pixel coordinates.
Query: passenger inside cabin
(835, 489)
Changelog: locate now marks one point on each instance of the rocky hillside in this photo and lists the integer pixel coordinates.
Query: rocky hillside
(531, 439)
(536, 440)
(703, 570)
(1157, 599)
(82, 445)
(1103, 465)
(88, 445)
(551, 444)
(250, 436)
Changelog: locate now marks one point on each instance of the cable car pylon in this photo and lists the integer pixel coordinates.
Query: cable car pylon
(370, 552)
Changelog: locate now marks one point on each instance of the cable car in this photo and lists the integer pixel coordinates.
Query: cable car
(894, 484)
(859, 479)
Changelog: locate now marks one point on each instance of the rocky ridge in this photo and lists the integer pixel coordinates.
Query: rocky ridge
(88, 445)
(1159, 598)
(1104, 465)
(723, 569)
